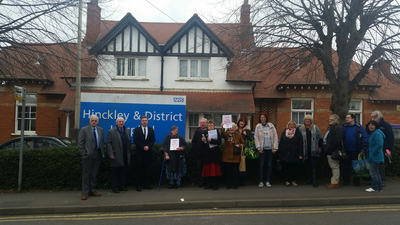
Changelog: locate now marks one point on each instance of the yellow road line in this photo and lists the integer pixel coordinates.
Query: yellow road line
(101, 216)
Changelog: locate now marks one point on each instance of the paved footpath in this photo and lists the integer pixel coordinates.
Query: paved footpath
(46, 202)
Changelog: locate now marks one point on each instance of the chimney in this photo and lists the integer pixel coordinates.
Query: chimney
(92, 23)
(383, 67)
(246, 33)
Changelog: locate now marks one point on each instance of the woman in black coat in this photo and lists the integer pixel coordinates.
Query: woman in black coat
(291, 152)
(176, 165)
(333, 140)
(212, 158)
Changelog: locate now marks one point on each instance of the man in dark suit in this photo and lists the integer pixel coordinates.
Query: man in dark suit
(91, 144)
(144, 139)
(119, 150)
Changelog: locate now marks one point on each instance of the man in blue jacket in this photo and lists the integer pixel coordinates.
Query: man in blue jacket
(355, 141)
(387, 129)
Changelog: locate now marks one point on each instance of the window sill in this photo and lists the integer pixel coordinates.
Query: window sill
(130, 78)
(28, 133)
(194, 79)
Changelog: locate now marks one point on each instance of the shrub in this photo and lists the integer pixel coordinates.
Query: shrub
(60, 169)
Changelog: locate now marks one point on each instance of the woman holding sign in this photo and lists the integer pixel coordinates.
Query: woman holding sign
(174, 147)
(231, 160)
(212, 158)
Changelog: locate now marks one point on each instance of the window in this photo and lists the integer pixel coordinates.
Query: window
(194, 121)
(194, 68)
(30, 115)
(300, 108)
(355, 107)
(131, 67)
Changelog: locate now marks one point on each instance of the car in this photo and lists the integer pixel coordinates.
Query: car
(31, 142)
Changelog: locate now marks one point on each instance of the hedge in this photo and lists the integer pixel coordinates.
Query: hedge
(60, 169)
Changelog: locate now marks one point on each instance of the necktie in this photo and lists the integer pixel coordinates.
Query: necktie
(144, 133)
(95, 137)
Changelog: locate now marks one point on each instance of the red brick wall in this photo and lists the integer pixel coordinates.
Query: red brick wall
(49, 121)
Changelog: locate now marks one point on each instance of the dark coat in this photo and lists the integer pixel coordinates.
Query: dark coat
(213, 155)
(175, 157)
(198, 145)
(291, 148)
(333, 140)
(115, 146)
(140, 142)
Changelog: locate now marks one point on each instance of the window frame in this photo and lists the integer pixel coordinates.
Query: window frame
(126, 65)
(202, 115)
(189, 69)
(359, 111)
(18, 103)
(305, 111)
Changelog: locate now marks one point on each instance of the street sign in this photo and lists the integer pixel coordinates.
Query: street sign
(18, 93)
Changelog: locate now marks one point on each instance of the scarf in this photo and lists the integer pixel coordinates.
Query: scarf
(290, 133)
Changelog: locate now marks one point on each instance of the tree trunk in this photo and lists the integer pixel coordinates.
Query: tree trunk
(341, 95)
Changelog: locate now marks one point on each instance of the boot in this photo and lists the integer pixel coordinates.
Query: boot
(332, 186)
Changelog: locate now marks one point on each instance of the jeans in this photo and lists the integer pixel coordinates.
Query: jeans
(265, 158)
(376, 182)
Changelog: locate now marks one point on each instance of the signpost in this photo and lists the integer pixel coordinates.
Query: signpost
(19, 94)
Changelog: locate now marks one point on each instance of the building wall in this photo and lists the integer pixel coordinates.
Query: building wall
(49, 120)
(322, 102)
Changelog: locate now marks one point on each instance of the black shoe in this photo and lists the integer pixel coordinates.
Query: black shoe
(207, 187)
(176, 186)
(123, 189)
(235, 187)
(215, 188)
(115, 191)
(147, 187)
(139, 189)
(170, 186)
(228, 187)
(202, 185)
(309, 181)
(346, 183)
(315, 184)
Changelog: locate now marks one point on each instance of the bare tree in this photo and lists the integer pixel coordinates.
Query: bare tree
(328, 34)
(39, 32)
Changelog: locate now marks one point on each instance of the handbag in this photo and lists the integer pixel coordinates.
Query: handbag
(237, 150)
(338, 155)
(361, 167)
(242, 165)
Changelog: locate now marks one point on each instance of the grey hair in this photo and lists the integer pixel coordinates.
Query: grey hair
(119, 118)
(335, 118)
(204, 119)
(92, 116)
(234, 126)
(378, 114)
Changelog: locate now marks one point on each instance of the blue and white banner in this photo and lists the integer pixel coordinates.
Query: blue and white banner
(163, 111)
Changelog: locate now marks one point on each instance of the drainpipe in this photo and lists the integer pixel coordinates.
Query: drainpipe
(162, 73)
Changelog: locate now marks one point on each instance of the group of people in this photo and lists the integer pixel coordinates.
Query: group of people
(297, 144)
(118, 149)
(340, 144)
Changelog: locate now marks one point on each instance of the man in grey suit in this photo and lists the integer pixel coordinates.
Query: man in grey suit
(90, 143)
(119, 150)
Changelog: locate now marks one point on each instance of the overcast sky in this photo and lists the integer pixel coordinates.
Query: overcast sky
(177, 10)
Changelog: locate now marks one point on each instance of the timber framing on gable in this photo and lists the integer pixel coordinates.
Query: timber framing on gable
(196, 39)
(128, 37)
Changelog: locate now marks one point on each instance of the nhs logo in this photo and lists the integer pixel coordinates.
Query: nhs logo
(179, 99)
